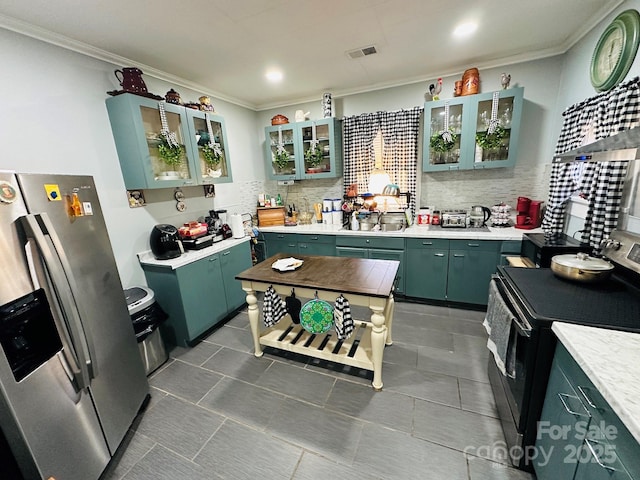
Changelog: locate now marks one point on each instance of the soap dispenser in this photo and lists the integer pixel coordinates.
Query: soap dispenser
(355, 225)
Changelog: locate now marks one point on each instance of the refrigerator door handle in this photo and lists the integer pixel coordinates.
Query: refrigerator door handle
(41, 230)
(70, 359)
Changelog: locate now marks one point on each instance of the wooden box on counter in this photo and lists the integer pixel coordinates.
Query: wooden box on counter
(271, 216)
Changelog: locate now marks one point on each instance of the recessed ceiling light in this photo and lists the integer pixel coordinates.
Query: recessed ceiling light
(274, 76)
(465, 29)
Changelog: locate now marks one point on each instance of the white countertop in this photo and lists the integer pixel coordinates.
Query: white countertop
(415, 231)
(617, 377)
(147, 258)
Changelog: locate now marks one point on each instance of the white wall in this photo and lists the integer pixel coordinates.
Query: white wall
(53, 119)
(462, 189)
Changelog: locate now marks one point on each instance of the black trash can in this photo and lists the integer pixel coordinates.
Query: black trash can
(147, 316)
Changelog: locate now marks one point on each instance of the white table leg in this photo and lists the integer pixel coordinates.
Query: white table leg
(378, 334)
(388, 316)
(254, 319)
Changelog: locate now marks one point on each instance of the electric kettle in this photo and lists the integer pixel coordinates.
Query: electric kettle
(478, 215)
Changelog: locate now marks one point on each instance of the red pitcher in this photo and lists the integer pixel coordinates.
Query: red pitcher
(131, 80)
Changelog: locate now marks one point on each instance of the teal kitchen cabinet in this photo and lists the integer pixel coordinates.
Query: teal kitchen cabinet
(136, 125)
(427, 263)
(382, 248)
(591, 441)
(213, 163)
(509, 248)
(316, 244)
(300, 243)
(289, 152)
(280, 243)
(233, 261)
(199, 295)
(468, 119)
(471, 264)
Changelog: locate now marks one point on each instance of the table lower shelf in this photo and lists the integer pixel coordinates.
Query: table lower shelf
(354, 351)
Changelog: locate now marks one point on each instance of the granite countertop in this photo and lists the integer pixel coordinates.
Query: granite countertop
(415, 231)
(617, 377)
(147, 258)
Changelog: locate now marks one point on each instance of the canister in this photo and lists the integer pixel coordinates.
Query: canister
(336, 217)
(327, 205)
(337, 204)
(424, 217)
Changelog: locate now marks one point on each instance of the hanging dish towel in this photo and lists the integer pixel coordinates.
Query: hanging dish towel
(293, 307)
(501, 341)
(273, 307)
(342, 318)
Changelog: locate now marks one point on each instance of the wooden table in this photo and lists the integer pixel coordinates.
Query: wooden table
(363, 282)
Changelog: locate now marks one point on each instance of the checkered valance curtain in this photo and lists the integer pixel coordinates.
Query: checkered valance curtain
(400, 131)
(600, 183)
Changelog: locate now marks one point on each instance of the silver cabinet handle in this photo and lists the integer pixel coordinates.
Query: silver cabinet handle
(226, 253)
(459, 255)
(314, 238)
(280, 236)
(301, 245)
(586, 397)
(367, 240)
(566, 407)
(595, 455)
(473, 244)
(213, 259)
(438, 254)
(427, 243)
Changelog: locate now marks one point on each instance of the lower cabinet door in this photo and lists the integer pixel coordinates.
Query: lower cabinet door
(562, 428)
(398, 255)
(469, 275)
(233, 261)
(325, 249)
(426, 275)
(203, 295)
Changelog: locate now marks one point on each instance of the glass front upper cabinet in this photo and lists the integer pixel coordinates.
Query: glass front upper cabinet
(443, 152)
(470, 145)
(146, 159)
(280, 142)
(497, 149)
(210, 147)
(304, 150)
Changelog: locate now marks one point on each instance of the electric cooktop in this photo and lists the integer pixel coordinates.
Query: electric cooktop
(613, 303)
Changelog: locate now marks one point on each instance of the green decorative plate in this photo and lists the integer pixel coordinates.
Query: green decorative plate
(316, 316)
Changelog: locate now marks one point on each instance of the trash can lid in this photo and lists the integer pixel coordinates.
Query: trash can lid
(138, 298)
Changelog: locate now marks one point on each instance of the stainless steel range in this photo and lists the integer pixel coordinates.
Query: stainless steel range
(531, 299)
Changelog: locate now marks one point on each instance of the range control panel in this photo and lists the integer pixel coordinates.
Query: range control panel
(623, 248)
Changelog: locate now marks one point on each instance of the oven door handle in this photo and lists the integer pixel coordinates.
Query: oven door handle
(519, 319)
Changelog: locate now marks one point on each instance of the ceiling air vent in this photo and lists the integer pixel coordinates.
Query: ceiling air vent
(362, 52)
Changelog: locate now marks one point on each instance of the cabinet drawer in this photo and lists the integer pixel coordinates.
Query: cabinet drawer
(308, 238)
(484, 245)
(418, 243)
(371, 242)
(289, 237)
(603, 417)
(511, 246)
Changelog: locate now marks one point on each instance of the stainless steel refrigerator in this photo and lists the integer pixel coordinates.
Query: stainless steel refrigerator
(71, 377)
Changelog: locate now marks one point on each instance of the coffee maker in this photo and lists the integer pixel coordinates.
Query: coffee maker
(214, 225)
(529, 213)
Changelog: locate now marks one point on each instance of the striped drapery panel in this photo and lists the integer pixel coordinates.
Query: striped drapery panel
(400, 131)
(601, 184)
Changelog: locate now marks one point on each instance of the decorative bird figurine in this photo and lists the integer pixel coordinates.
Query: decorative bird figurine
(435, 89)
(505, 79)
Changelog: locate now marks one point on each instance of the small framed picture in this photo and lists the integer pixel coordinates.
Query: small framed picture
(136, 198)
(209, 191)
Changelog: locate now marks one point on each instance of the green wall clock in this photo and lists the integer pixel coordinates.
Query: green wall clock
(615, 51)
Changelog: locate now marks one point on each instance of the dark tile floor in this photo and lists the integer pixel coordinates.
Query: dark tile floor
(218, 412)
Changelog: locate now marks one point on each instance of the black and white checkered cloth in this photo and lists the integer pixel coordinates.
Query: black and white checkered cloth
(601, 184)
(342, 319)
(273, 307)
(400, 131)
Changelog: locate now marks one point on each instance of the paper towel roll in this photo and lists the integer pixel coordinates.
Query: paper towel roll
(237, 226)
